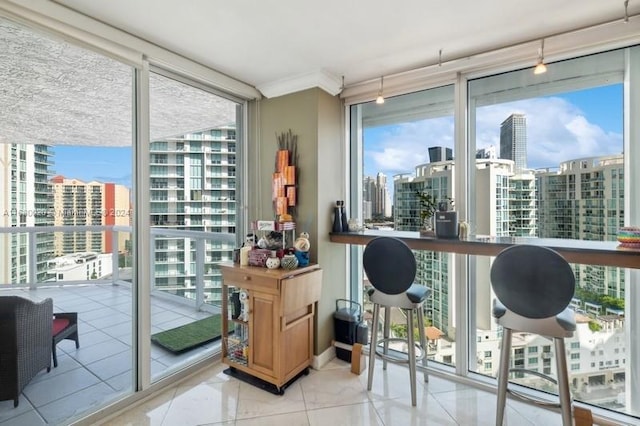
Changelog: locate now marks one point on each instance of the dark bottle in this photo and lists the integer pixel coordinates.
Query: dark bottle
(345, 221)
(337, 217)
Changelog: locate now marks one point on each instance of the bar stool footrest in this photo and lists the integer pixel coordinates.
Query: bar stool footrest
(395, 359)
(535, 373)
(527, 398)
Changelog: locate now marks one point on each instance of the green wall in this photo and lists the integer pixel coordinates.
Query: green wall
(316, 118)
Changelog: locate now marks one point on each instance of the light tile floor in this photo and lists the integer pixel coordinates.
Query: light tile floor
(329, 396)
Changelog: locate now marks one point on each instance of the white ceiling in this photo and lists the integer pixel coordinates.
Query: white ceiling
(281, 46)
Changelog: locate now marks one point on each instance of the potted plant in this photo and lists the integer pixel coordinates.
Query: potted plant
(428, 208)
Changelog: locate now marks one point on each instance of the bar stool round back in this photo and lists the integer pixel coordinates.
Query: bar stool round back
(391, 269)
(533, 287)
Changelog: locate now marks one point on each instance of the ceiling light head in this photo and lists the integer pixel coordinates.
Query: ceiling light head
(540, 68)
(380, 98)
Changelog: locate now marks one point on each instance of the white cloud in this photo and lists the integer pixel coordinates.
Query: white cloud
(404, 146)
(557, 131)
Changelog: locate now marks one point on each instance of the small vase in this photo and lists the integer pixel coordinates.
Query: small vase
(303, 257)
(272, 263)
(289, 261)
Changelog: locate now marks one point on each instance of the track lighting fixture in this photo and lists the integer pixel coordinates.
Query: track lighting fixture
(626, 11)
(380, 98)
(540, 68)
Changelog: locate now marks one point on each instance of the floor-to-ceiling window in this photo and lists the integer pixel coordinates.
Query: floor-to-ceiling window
(405, 153)
(71, 117)
(550, 164)
(546, 158)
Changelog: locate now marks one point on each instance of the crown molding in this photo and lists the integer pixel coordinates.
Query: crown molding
(322, 79)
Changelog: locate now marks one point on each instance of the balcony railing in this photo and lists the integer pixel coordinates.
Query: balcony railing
(194, 269)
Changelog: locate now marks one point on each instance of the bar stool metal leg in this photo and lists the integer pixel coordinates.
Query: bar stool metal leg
(423, 341)
(387, 328)
(503, 374)
(373, 344)
(411, 353)
(563, 382)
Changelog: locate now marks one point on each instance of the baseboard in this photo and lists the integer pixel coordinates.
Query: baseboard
(324, 358)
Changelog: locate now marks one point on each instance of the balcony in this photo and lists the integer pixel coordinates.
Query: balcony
(101, 370)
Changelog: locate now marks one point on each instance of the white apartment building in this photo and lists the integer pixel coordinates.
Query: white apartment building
(436, 179)
(193, 187)
(583, 200)
(25, 201)
(85, 266)
(508, 204)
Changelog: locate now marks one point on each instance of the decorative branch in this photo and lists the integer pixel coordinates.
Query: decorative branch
(287, 141)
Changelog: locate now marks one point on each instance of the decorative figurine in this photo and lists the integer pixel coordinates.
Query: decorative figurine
(302, 246)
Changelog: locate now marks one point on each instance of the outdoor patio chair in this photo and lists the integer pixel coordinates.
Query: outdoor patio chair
(25, 343)
(65, 326)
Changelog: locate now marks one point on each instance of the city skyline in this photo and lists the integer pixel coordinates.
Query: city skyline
(586, 128)
(589, 128)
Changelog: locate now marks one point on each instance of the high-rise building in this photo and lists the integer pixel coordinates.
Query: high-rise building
(523, 209)
(432, 267)
(506, 206)
(513, 141)
(25, 201)
(77, 203)
(193, 187)
(584, 200)
(375, 192)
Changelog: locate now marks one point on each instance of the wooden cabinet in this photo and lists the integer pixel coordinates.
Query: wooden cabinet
(274, 342)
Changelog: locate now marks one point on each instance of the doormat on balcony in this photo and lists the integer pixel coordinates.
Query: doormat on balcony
(189, 336)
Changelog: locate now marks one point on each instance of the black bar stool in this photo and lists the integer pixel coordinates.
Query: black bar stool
(391, 268)
(534, 286)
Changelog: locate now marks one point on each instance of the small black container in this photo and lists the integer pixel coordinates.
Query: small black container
(348, 326)
(447, 224)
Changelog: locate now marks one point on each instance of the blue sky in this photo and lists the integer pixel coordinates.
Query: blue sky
(94, 163)
(573, 125)
(579, 124)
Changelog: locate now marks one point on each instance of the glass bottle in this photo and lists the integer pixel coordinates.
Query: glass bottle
(345, 220)
(337, 217)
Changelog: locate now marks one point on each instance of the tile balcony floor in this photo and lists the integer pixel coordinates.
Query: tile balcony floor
(100, 370)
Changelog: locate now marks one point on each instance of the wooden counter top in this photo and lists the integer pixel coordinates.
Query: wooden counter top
(607, 253)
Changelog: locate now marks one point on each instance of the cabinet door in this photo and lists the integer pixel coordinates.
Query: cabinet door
(263, 333)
